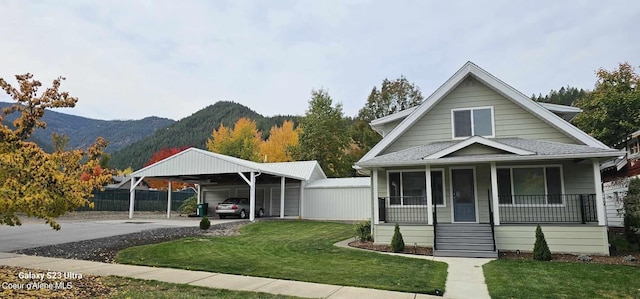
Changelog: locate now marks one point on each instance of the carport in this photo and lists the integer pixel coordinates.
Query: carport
(200, 167)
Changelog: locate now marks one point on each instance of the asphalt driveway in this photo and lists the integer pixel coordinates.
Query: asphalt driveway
(31, 235)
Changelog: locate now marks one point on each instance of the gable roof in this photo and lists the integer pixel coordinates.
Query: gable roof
(478, 140)
(520, 150)
(194, 161)
(470, 69)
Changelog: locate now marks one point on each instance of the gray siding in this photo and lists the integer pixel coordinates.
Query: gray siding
(422, 235)
(510, 119)
(587, 239)
(580, 239)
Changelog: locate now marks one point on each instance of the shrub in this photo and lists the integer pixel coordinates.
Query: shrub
(397, 243)
(541, 250)
(631, 207)
(363, 230)
(205, 223)
(189, 206)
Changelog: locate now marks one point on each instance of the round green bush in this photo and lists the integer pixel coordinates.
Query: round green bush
(205, 223)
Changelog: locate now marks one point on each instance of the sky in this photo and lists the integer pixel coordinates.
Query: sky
(134, 59)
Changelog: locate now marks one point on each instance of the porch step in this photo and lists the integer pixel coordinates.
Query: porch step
(464, 240)
(465, 253)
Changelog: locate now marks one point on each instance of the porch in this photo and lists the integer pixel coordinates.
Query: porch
(478, 209)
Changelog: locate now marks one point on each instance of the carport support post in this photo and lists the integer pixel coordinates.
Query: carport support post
(132, 197)
(169, 200)
(132, 194)
(282, 189)
(302, 199)
(252, 196)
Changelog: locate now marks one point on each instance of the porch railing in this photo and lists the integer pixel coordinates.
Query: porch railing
(560, 208)
(403, 209)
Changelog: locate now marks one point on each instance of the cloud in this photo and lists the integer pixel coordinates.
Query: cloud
(131, 59)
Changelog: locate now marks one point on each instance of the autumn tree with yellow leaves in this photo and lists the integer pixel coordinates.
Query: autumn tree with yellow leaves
(243, 141)
(281, 143)
(35, 183)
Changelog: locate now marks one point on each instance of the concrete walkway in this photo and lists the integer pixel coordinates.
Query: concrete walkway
(204, 279)
(465, 278)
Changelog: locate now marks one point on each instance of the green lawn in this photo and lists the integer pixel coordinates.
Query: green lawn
(295, 250)
(128, 288)
(533, 279)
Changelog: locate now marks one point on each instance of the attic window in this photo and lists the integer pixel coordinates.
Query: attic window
(472, 122)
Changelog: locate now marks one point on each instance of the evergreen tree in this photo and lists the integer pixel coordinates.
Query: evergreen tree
(397, 243)
(324, 135)
(541, 250)
(393, 96)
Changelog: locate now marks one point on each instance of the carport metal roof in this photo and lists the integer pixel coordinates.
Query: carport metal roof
(200, 166)
(193, 163)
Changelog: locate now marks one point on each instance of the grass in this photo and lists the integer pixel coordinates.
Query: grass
(533, 279)
(294, 250)
(129, 288)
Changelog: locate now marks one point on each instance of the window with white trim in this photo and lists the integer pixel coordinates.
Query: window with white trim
(472, 122)
(533, 185)
(409, 187)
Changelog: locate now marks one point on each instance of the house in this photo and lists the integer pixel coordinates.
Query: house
(284, 189)
(124, 182)
(476, 166)
(616, 175)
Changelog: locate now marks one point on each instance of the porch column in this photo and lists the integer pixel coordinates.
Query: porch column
(597, 181)
(374, 197)
(302, 199)
(427, 175)
(169, 191)
(282, 190)
(495, 201)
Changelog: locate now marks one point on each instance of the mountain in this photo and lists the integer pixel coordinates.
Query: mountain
(193, 131)
(83, 131)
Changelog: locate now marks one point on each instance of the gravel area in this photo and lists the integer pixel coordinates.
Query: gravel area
(106, 249)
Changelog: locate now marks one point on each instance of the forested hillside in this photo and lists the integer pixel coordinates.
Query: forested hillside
(83, 131)
(192, 131)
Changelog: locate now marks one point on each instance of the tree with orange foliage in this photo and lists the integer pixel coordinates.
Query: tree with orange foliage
(281, 143)
(243, 141)
(162, 154)
(36, 183)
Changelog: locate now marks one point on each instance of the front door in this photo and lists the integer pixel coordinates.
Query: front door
(464, 199)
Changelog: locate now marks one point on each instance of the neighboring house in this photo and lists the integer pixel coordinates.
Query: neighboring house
(124, 182)
(616, 175)
(478, 165)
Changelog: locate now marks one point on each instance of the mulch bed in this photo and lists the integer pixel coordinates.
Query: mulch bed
(618, 259)
(409, 249)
